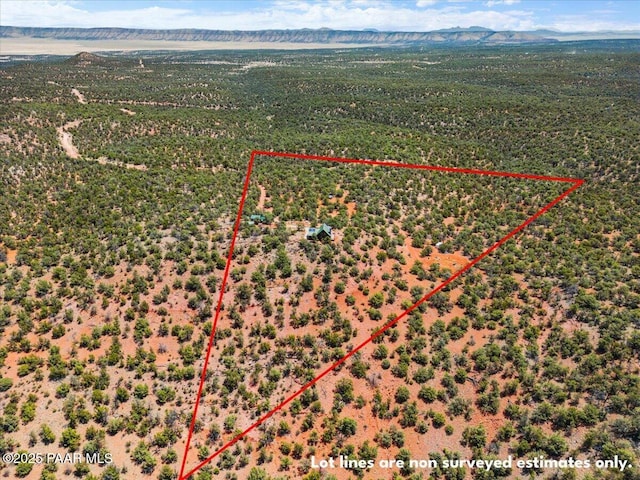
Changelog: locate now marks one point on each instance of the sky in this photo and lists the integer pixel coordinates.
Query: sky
(384, 15)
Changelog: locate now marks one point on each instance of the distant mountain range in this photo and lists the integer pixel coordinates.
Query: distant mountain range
(472, 35)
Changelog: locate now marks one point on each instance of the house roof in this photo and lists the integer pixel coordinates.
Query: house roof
(322, 230)
(326, 228)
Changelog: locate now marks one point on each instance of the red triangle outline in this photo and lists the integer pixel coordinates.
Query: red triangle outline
(576, 183)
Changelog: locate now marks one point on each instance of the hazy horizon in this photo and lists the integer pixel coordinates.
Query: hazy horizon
(357, 15)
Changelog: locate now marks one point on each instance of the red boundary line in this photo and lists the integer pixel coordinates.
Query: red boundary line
(576, 184)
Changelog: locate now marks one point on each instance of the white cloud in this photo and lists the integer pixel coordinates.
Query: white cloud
(290, 14)
(66, 14)
(283, 14)
(425, 3)
(367, 3)
(493, 3)
(587, 23)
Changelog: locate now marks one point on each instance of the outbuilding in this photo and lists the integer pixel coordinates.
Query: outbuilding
(323, 232)
(258, 218)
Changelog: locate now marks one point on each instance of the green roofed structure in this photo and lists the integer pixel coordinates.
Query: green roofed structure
(258, 218)
(323, 232)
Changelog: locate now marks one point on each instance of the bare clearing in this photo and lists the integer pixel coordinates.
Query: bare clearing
(251, 65)
(263, 197)
(80, 96)
(66, 139)
(117, 163)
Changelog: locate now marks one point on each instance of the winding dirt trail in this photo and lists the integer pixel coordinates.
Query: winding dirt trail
(263, 197)
(66, 139)
(66, 142)
(80, 96)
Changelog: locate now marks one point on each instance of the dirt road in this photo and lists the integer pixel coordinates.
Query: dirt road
(66, 139)
(80, 96)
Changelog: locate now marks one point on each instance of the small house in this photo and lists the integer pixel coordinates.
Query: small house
(257, 218)
(322, 233)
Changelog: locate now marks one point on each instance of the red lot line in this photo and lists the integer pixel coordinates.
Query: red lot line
(576, 183)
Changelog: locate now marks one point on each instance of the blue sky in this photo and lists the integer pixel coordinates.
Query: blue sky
(403, 15)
